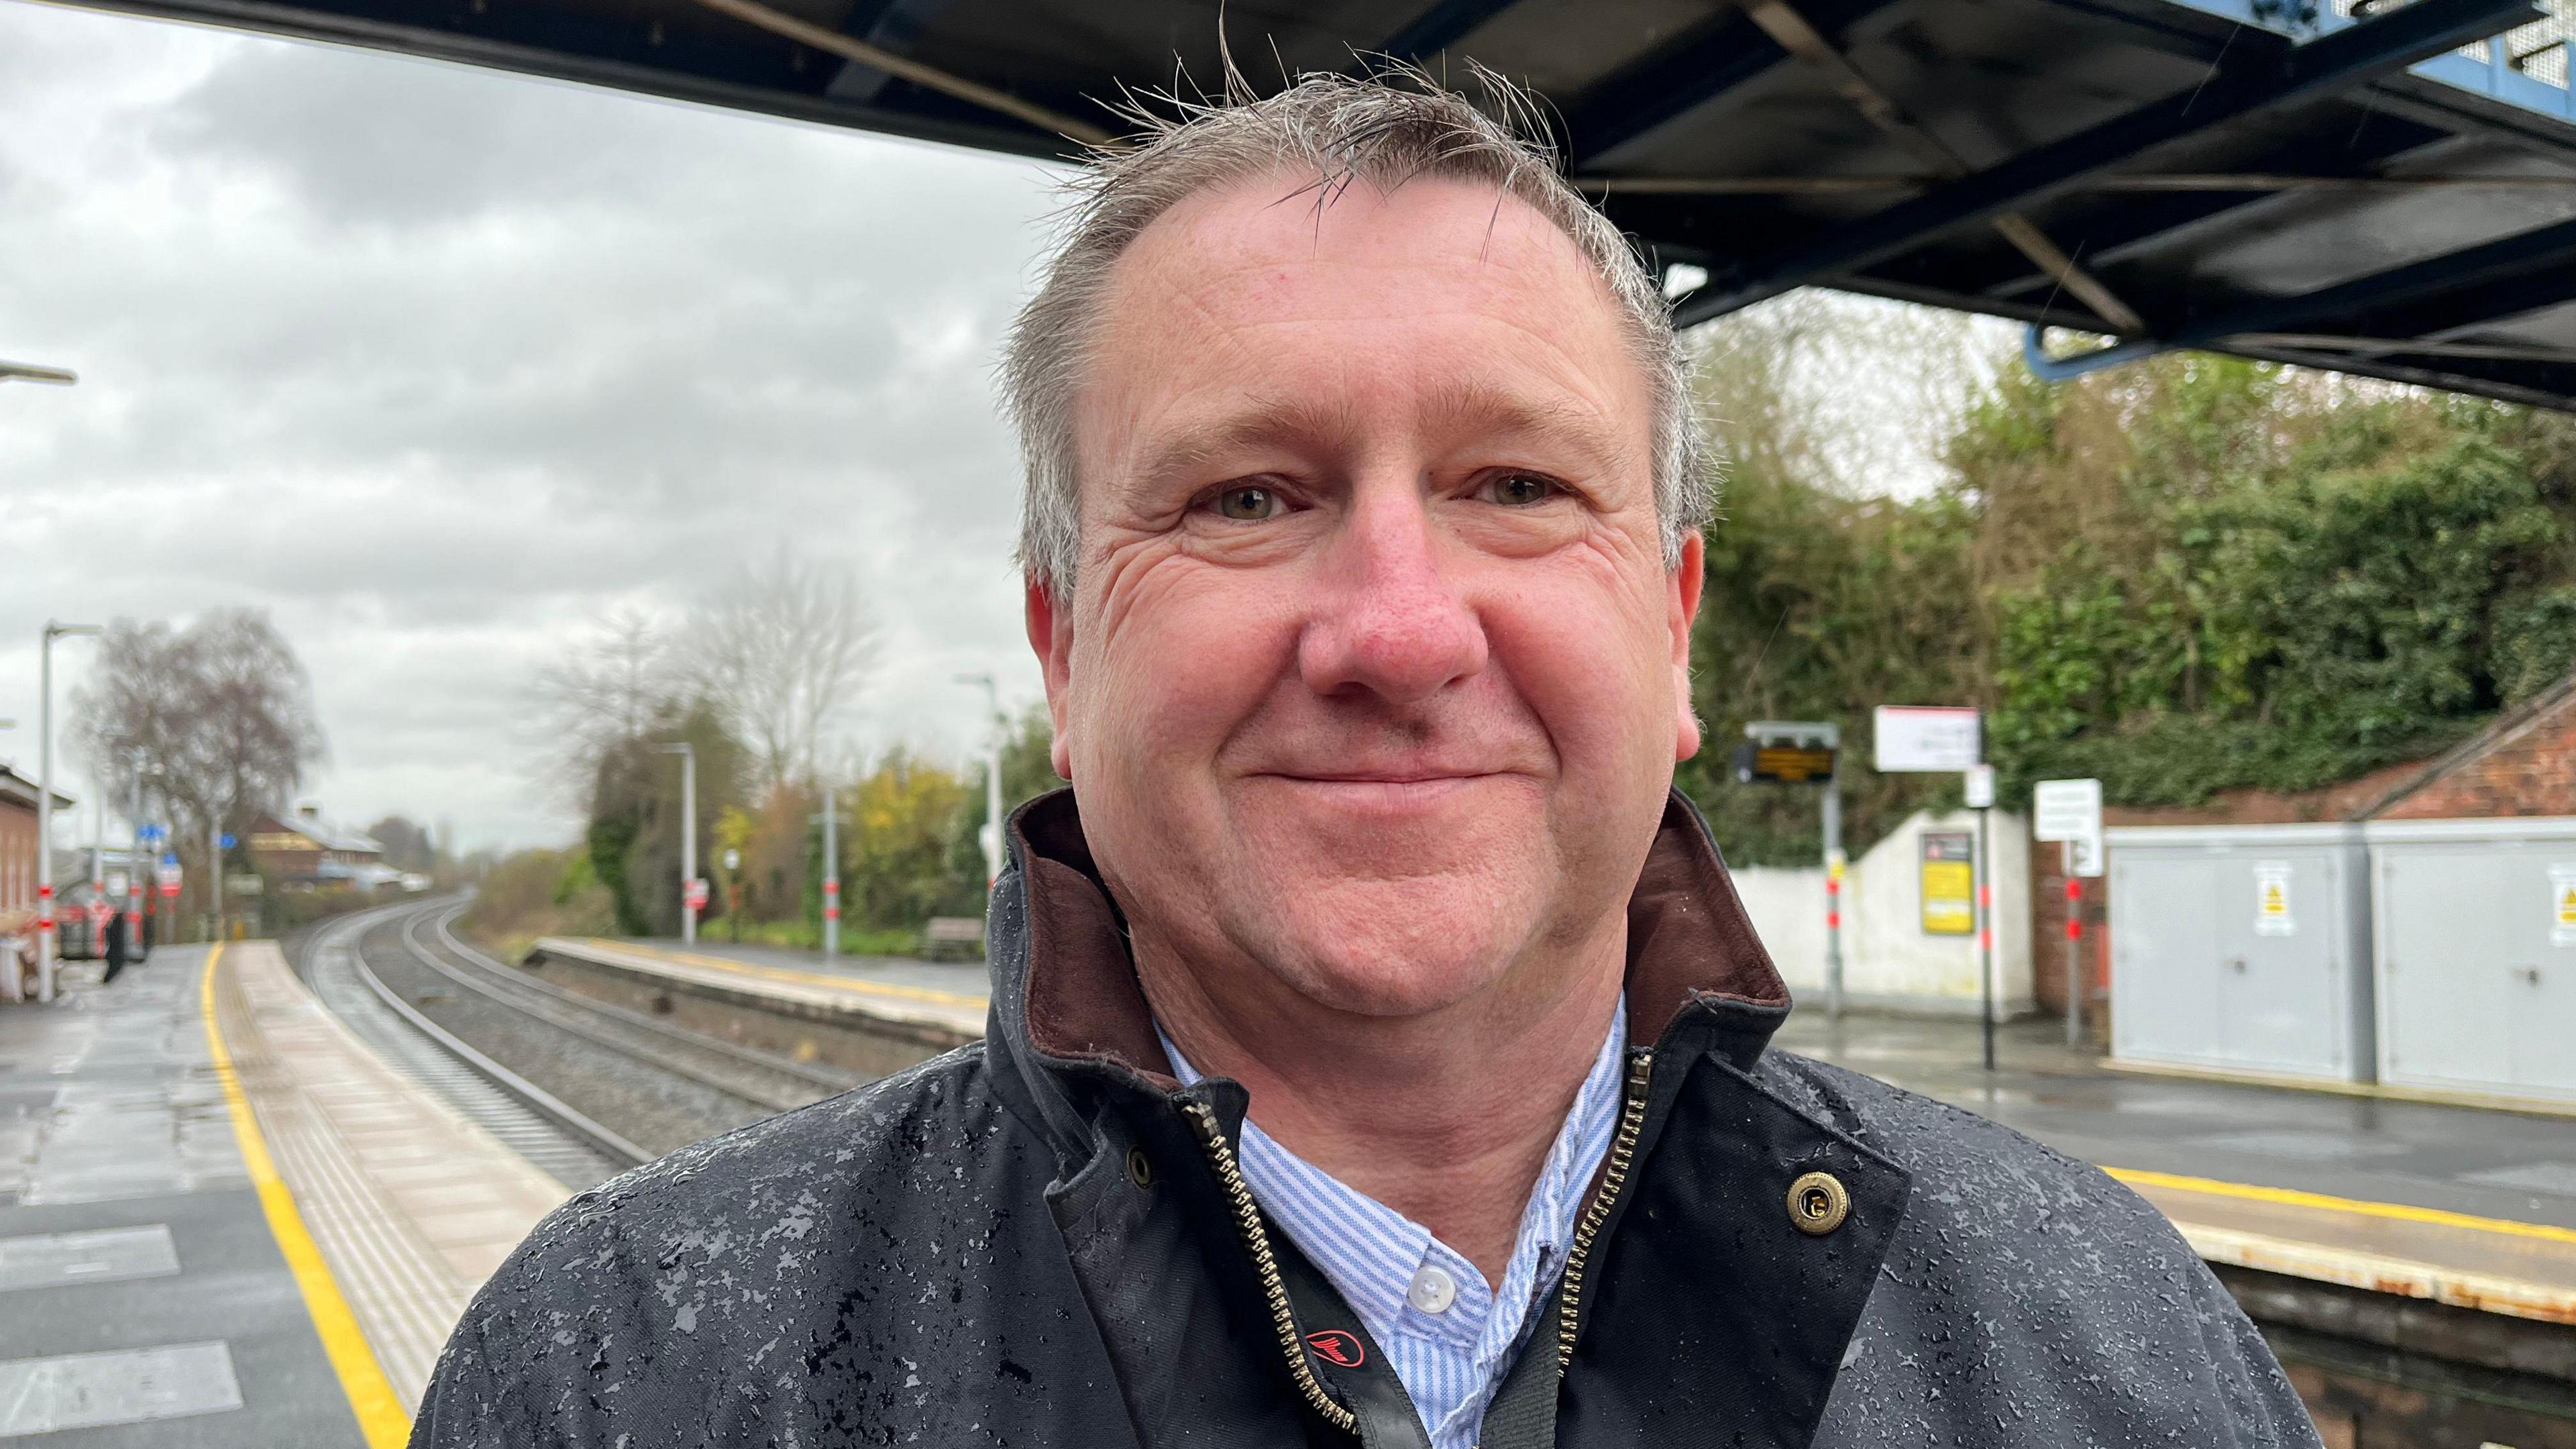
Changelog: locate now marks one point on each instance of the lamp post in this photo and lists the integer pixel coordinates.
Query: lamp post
(45, 801)
(688, 838)
(8, 969)
(831, 818)
(992, 780)
(134, 897)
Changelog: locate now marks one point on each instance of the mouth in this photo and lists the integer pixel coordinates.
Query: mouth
(1380, 776)
(1384, 794)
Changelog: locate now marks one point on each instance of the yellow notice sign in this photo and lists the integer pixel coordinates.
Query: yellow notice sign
(1949, 883)
(2562, 892)
(2272, 899)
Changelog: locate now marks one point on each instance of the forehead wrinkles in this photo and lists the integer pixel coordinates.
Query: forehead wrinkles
(1216, 271)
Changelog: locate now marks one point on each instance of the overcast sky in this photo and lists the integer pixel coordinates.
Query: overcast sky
(439, 365)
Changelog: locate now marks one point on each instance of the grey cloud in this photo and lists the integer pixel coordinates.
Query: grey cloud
(439, 364)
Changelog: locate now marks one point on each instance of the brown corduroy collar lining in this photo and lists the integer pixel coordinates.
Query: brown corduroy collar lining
(1688, 936)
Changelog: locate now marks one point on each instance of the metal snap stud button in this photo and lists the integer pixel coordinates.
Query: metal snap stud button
(1818, 1203)
(1139, 1171)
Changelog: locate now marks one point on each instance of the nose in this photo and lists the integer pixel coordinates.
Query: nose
(1391, 621)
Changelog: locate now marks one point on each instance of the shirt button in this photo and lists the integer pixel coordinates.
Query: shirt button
(1433, 1290)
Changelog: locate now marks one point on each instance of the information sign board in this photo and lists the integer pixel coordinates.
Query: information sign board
(1758, 763)
(1924, 738)
(1949, 883)
(2070, 811)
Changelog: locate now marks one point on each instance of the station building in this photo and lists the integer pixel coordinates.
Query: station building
(307, 848)
(18, 796)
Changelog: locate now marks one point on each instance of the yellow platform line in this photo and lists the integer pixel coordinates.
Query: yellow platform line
(2292, 1197)
(372, 1399)
(815, 978)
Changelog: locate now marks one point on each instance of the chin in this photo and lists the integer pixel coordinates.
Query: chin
(1379, 948)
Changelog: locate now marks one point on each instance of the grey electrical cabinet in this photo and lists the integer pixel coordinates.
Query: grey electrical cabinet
(2476, 958)
(2242, 948)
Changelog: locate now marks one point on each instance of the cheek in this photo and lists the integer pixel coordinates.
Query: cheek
(1590, 651)
(1178, 653)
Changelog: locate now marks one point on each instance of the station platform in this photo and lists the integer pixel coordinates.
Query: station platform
(224, 1221)
(951, 997)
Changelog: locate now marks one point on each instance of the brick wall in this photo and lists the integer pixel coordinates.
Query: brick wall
(2048, 935)
(2529, 770)
(17, 856)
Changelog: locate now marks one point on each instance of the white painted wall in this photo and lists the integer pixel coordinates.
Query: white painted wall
(1889, 963)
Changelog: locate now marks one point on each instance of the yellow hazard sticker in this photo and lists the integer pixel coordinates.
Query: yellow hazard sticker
(2272, 915)
(2562, 893)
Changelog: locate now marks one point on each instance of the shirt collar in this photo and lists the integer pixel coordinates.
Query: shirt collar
(1370, 1252)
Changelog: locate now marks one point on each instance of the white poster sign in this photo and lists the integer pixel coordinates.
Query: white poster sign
(2070, 811)
(2065, 809)
(1925, 738)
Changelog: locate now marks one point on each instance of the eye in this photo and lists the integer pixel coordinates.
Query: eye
(1520, 490)
(1248, 503)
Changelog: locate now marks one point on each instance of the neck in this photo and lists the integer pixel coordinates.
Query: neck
(1446, 1116)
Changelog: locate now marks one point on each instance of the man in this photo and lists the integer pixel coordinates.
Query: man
(115, 951)
(1378, 1050)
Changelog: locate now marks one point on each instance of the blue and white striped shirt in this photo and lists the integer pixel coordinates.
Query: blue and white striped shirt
(1449, 1337)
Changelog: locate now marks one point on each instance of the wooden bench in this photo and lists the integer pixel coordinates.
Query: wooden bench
(953, 937)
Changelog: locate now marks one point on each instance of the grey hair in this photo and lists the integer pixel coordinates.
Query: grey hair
(1385, 128)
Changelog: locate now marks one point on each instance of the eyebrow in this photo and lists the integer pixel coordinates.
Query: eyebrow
(1459, 407)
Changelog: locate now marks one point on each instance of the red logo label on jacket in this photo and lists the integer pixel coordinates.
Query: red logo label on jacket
(1334, 1346)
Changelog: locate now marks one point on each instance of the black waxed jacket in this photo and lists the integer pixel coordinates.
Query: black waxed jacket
(1040, 1240)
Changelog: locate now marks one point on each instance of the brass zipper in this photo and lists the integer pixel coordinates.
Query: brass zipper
(1614, 1176)
(1256, 1240)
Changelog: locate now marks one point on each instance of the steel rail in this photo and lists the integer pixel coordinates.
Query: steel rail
(576, 1004)
(573, 1119)
(819, 1076)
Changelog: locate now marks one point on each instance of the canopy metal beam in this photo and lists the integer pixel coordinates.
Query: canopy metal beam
(2350, 56)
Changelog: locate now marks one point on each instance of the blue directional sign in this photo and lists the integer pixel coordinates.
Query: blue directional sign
(226, 840)
(150, 832)
(169, 857)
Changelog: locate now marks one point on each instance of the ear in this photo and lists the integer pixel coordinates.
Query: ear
(1682, 601)
(1051, 636)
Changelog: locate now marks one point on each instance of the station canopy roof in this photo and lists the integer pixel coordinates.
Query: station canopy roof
(2385, 187)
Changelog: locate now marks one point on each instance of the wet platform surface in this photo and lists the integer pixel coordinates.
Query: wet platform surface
(2498, 1164)
(143, 1300)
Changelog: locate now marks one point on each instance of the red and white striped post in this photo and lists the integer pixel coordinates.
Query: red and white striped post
(2074, 951)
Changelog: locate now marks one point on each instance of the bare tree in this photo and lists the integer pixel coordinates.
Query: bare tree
(220, 713)
(608, 689)
(781, 652)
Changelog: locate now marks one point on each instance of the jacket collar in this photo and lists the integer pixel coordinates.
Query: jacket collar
(1066, 1002)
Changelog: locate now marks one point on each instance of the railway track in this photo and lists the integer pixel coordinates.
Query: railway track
(328, 962)
(583, 1088)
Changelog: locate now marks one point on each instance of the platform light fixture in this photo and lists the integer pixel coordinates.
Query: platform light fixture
(31, 372)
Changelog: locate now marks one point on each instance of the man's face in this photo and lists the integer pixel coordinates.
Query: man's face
(1373, 677)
